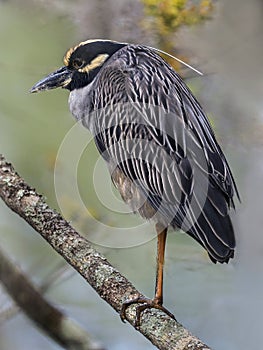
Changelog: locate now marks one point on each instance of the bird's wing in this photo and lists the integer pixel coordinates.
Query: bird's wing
(157, 133)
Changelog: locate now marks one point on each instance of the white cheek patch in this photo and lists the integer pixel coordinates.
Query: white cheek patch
(96, 62)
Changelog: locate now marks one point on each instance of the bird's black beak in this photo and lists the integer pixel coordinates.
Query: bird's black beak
(60, 78)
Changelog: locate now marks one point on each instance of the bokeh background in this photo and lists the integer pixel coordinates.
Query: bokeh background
(221, 304)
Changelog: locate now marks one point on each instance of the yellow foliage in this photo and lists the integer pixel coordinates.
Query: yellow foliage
(165, 17)
(171, 14)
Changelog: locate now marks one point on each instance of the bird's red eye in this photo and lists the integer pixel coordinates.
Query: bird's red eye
(78, 63)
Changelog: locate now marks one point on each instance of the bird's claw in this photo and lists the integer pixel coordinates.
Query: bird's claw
(145, 303)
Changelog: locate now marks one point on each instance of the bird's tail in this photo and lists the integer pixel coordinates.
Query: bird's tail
(209, 224)
(213, 229)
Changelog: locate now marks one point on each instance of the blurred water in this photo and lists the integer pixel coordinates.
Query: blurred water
(220, 304)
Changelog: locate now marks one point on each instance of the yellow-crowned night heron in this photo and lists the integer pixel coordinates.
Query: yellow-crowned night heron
(159, 146)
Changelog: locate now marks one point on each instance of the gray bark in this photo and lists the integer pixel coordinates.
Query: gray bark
(160, 329)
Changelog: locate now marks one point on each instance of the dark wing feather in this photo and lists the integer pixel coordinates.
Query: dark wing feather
(158, 135)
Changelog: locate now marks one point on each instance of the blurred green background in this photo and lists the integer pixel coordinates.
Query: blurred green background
(224, 40)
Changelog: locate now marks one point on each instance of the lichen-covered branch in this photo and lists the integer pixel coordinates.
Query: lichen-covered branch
(54, 322)
(160, 329)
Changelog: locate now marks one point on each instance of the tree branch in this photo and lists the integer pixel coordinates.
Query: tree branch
(160, 329)
(58, 326)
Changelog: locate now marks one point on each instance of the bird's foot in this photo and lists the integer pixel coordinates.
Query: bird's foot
(145, 303)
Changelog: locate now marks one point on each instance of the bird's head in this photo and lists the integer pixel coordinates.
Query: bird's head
(81, 64)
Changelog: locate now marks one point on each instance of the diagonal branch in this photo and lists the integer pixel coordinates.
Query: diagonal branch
(160, 329)
(50, 319)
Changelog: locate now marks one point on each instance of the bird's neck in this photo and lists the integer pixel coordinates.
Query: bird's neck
(79, 105)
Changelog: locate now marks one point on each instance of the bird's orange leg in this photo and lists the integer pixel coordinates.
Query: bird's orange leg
(157, 302)
(161, 237)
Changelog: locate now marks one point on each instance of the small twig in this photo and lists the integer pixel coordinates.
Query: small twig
(8, 312)
(60, 274)
(160, 329)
